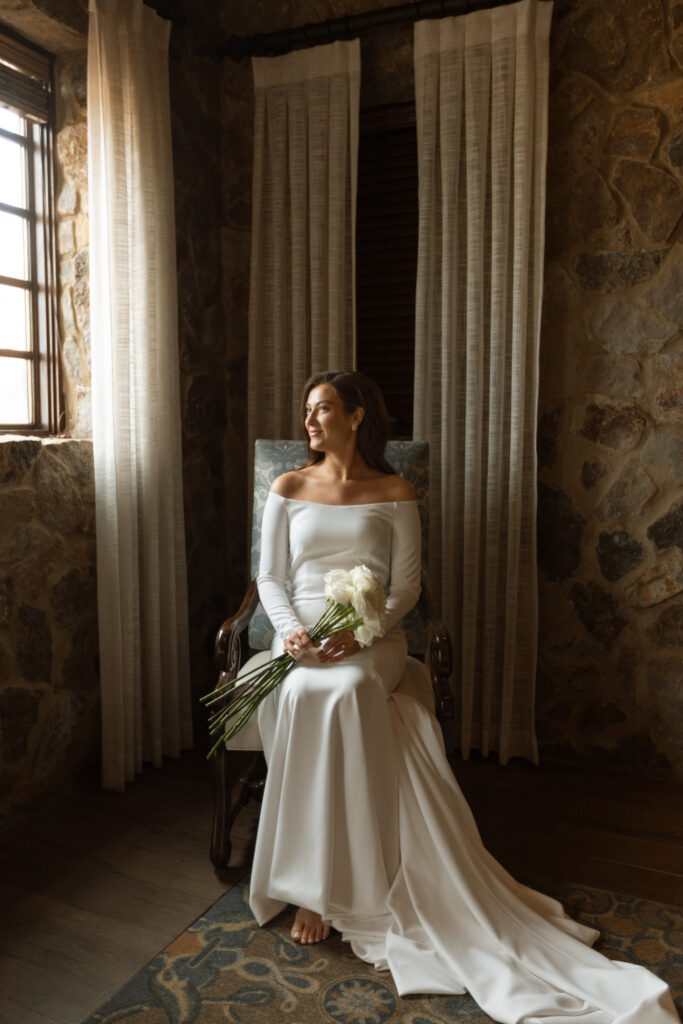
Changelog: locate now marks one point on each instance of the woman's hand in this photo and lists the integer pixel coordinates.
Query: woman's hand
(338, 646)
(298, 643)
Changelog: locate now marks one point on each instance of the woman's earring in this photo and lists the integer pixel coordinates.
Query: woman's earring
(354, 426)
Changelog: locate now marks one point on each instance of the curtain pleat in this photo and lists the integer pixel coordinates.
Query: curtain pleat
(141, 570)
(481, 83)
(302, 283)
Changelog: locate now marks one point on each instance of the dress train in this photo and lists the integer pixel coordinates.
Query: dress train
(417, 892)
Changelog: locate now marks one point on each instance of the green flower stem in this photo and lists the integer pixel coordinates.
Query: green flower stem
(253, 687)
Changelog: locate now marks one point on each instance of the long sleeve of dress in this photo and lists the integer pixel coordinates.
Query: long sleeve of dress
(271, 580)
(406, 563)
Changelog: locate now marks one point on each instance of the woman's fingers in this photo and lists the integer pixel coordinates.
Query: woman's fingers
(339, 646)
(297, 643)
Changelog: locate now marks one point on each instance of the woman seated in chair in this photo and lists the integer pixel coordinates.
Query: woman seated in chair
(363, 826)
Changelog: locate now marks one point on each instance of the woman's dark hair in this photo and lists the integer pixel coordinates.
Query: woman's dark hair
(355, 389)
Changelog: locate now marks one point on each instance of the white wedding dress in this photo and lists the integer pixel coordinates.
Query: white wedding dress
(363, 822)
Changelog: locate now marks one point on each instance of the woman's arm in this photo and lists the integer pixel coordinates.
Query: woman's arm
(406, 563)
(273, 567)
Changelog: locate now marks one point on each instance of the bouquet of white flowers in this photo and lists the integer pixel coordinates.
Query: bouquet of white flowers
(355, 600)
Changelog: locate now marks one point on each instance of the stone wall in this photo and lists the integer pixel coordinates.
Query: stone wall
(49, 685)
(611, 504)
(49, 681)
(49, 696)
(611, 407)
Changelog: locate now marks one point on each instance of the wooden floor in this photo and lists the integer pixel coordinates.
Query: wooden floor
(94, 884)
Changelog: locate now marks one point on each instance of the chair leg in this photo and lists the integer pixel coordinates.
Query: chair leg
(232, 791)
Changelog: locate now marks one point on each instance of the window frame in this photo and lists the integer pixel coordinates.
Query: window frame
(27, 89)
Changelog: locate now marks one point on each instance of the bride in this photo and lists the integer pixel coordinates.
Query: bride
(363, 826)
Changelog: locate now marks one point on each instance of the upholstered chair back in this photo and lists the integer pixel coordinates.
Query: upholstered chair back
(410, 459)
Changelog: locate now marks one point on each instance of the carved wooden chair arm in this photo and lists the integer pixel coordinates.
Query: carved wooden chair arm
(228, 646)
(440, 653)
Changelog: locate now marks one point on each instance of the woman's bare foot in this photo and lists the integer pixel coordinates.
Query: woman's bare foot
(309, 927)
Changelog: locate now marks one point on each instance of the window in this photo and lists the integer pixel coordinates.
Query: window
(386, 256)
(29, 366)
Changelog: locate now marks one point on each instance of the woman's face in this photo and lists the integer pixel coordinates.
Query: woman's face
(328, 425)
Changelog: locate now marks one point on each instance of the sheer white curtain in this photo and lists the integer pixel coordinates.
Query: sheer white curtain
(481, 95)
(141, 574)
(302, 287)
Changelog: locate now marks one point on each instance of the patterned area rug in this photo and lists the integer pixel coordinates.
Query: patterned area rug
(225, 968)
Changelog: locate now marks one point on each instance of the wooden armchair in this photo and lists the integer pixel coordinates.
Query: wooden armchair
(238, 776)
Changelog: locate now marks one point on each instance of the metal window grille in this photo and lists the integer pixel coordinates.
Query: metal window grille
(30, 394)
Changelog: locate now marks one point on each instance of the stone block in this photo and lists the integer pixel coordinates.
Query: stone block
(34, 645)
(18, 715)
(613, 426)
(548, 431)
(72, 154)
(598, 611)
(638, 753)
(665, 700)
(612, 270)
(31, 550)
(667, 631)
(66, 238)
(71, 358)
(568, 99)
(620, 44)
(665, 293)
(618, 553)
(667, 382)
(598, 716)
(68, 199)
(559, 293)
(67, 310)
(597, 45)
(628, 495)
(82, 421)
(654, 198)
(58, 502)
(660, 583)
(16, 459)
(673, 150)
(81, 291)
(560, 529)
(17, 505)
(62, 726)
(66, 272)
(667, 531)
(72, 596)
(620, 327)
(5, 664)
(591, 471)
(635, 133)
(78, 457)
(677, 49)
(573, 215)
(579, 146)
(663, 450)
(81, 666)
(6, 600)
(615, 374)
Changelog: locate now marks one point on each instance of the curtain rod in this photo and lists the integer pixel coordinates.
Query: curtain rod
(271, 44)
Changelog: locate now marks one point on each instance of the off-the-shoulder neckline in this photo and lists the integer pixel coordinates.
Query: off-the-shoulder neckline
(323, 504)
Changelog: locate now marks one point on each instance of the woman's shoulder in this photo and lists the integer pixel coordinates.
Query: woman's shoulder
(396, 488)
(289, 485)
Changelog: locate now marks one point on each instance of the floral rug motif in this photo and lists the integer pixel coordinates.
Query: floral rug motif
(226, 970)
